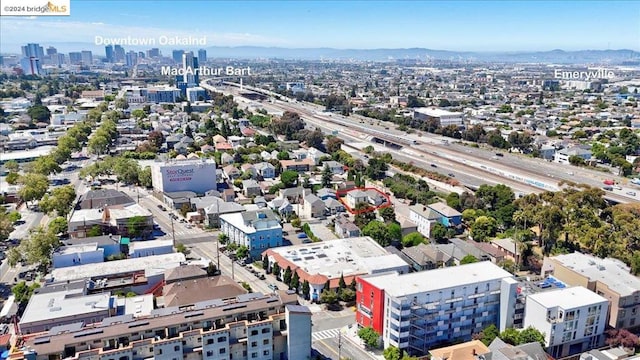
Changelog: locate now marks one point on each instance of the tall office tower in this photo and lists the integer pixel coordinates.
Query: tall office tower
(109, 54)
(61, 59)
(51, 51)
(191, 78)
(118, 53)
(177, 56)
(33, 50)
(87, 57)
(131, 58)
(153, 53)
(141, 55)
(75, 58)
(202, 56)
(31, 66)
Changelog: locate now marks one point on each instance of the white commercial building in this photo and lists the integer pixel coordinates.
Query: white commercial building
(572, 319)
(198, 176)
(424, 218)
(444, 117)
(77, 255)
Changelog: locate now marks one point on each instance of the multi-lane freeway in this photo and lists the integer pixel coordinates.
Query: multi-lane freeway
(474, 166)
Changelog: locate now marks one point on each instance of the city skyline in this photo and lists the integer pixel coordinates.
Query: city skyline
(454, 26)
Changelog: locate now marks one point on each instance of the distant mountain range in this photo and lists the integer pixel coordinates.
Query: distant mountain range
(553, 56)
(603, 57)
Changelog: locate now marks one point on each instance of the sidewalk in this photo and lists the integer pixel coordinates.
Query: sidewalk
(350, 333)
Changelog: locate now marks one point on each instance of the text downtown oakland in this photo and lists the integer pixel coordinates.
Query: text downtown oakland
(206, 71)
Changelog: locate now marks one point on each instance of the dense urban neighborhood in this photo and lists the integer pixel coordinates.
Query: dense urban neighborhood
(183, 205)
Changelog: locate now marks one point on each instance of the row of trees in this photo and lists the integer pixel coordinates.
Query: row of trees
(510, 335)
(125, 169)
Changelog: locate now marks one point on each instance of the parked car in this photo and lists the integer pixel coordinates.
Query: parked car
(302, 236)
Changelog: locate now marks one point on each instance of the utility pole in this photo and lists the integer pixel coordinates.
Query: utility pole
(173, 232)
(340, 345)
(218, 252)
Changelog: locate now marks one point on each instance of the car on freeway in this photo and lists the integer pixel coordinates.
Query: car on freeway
(452, 174)
(434, 165)
(631, 193)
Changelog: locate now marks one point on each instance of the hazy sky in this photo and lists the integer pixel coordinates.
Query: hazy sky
(447, 25)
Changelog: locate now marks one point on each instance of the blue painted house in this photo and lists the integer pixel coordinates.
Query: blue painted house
(258, 230)
(450, 217)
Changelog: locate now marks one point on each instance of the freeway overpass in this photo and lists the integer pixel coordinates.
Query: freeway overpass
(522, 173)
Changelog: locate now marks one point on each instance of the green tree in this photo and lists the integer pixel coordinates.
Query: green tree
(364, 215)
(12, 166)
(137, 226)
(388, 214)
(34, 186)
(14, 216)
(378, 231)
(6, 225)
(392, 353)
(95, 230)
(510, 336)
(212, 269)
(468, 259)
(439, 232)
(139, 114)
(46, 165)
(39, 113)
(306, 288)
(329, 297)
(453, 200)
(12, 178)
(412, 239)
(289, 178)
(184, 209)
(530, 335)
(23, 292)
(483, 228)
(242, 252)
(295, 281)
(287, 276)
(327, 176)
(275, 270)
(181, 248)
(395, 232)
(38, 246)
(144, 177)
(58, 225)
(489, 334)
(265, 263)
(341, 283)
(61, 200)
(369, 336)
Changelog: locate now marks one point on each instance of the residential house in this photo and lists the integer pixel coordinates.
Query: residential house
(313, 207)
(424, 218)
(282, 206)
(251, 188)
(334, 206)
(326, 193)
(450, 217)
(294, 195)
(303, 165)
(375, 197)
(212, 212)
(563, 156)
(335, 167)
(231, 172)
(355, 197)
(265, 170)
(345, 228)
(426, 257)
(249, 169)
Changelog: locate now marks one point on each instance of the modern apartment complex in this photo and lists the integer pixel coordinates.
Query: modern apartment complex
(572, 319)
(609, 278)
(418, 311)
(251, 326)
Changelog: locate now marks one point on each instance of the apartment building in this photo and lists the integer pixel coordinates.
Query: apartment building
(251, 326)
(258, 230)
(609, 278)
(419, 311)
(572, 320)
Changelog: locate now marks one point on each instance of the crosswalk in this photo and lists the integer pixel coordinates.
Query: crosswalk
(325, 334)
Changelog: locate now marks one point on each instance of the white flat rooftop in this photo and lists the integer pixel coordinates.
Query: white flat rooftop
(149, 244)
(567, 298)
(398, 285)
(55, 305)
(76, 249)
(613, 273)
(436, 112)
(351, 256)
(148, 263)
